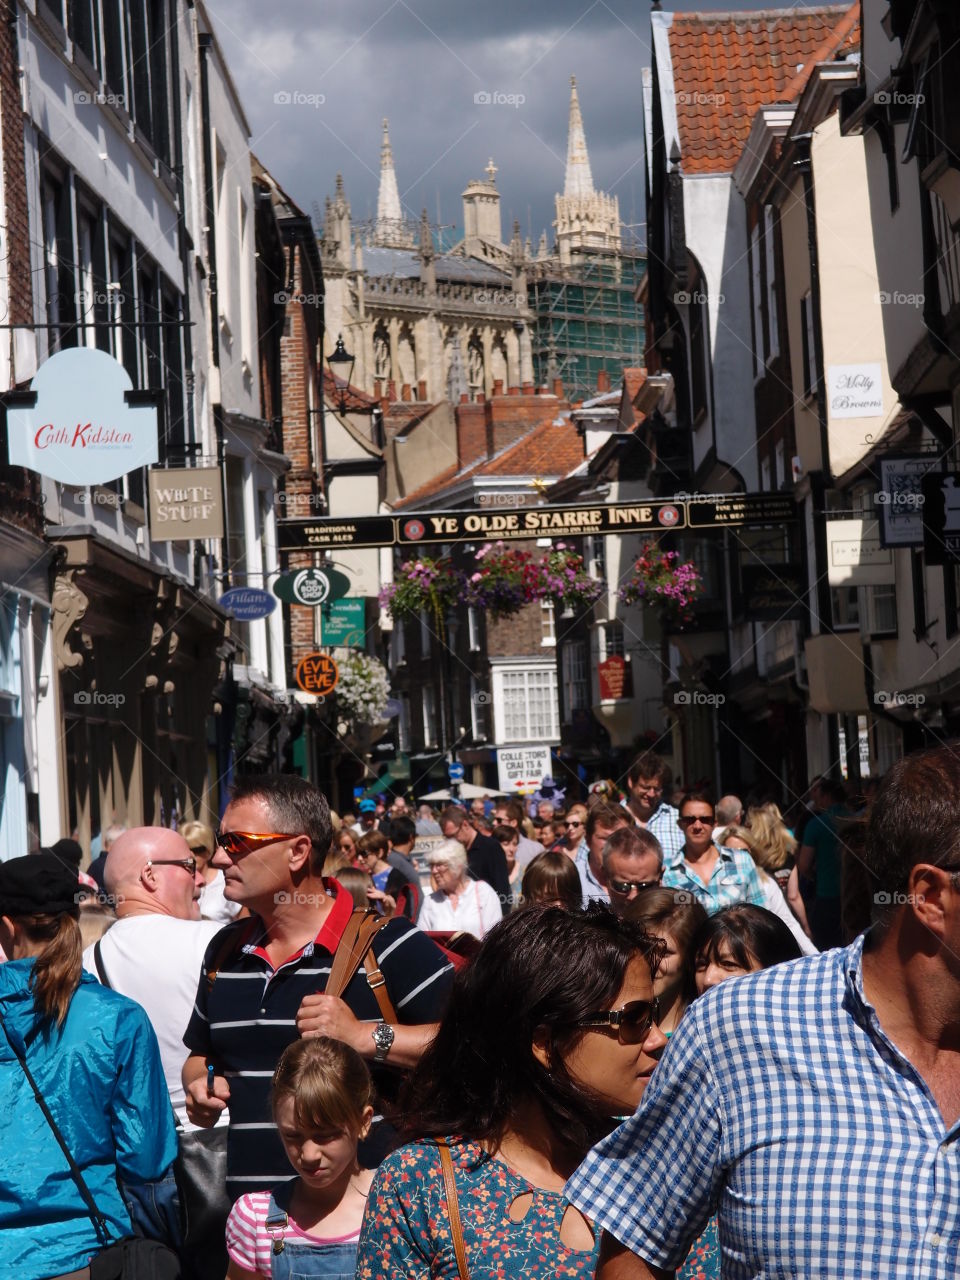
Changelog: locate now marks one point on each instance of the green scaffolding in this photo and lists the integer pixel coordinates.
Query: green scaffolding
(587, 320)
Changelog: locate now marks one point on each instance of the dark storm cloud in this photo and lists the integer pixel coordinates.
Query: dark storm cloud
(346, 65)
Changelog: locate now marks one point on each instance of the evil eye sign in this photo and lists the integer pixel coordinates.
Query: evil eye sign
(81, 423)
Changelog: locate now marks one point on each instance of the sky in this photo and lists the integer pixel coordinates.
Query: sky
(461, 81)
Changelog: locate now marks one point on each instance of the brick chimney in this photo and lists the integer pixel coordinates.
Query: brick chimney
(498, 386)
(405, 393)
(422, 389)
(603, 381)
(471, 422)
(558, 388)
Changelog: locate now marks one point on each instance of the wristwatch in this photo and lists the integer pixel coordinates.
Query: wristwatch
(383, 1037)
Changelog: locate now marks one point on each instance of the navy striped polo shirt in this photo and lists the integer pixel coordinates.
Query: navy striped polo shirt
(245, 1020)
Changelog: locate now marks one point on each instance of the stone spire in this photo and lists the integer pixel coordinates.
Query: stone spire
(588, 221)
(579, 179)
(390, 231)
(388, 199)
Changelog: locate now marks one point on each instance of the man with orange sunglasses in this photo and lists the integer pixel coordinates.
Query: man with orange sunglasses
(262, 984)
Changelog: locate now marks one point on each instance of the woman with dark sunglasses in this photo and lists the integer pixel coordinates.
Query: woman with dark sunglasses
(549, 1035)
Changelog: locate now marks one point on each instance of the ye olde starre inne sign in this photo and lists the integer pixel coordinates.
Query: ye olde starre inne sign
(735, 510)
(81, 422)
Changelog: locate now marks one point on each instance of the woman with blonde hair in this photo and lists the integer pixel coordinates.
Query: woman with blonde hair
(213, 905)
(776, 848)
(735, 837)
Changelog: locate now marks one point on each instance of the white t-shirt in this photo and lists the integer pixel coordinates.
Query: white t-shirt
(214, 906)
(478, 909)
(156, 961)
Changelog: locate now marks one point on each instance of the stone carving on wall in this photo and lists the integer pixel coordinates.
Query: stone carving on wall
(381, 355)
(69, 604)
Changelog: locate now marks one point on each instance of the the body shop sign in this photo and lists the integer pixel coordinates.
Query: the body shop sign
(82, 423)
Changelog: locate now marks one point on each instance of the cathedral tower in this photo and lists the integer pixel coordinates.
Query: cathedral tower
(481, 214)
(587, 220)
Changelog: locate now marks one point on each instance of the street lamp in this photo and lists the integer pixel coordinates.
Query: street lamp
(341, 364)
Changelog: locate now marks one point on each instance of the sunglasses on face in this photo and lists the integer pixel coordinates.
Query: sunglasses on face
(623, 887)
(570, 825)
(190, 864)
(692, 820)
(201, 850)
(237, 843)
(632, 1022)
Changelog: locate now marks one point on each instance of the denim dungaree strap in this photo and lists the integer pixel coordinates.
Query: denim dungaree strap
(293, 1258)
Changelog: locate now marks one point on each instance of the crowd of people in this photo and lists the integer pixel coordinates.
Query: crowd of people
(647, 1035)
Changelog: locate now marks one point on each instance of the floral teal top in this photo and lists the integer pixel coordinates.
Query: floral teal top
(406, 1231)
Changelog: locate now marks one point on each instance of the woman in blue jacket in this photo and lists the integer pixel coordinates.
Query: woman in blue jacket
(95, 1059)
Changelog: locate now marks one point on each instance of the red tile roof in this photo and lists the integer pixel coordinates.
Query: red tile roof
(549, 451)
(356, 400)
(726, 65)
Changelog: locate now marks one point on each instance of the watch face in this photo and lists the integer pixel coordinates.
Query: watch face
(383, 1036)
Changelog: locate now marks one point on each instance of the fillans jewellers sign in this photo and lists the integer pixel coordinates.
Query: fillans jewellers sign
(82, 423)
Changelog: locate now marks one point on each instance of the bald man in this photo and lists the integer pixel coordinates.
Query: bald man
(153, 954)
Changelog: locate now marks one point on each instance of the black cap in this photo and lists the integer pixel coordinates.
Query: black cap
(39, 884)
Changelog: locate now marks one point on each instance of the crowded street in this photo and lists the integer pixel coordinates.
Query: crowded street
(479, 640)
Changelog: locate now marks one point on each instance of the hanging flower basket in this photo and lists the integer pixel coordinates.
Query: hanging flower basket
(505, 579)
(362, 690)
(501, 581)
(434, 586)
(661, 581)
(563, 577)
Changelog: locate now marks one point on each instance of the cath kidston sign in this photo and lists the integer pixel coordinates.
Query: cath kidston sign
(83, 425)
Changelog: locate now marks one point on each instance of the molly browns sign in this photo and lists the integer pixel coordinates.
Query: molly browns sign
(82, 422)
(739, 510)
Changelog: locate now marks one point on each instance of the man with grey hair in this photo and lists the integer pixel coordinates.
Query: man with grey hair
(729, 813)
(631, 861)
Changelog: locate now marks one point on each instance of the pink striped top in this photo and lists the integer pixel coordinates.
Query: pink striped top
(248, 1241)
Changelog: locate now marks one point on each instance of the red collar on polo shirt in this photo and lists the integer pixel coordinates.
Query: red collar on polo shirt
(331, 931)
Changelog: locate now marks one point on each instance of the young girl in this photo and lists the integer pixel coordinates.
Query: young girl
(309, 1227)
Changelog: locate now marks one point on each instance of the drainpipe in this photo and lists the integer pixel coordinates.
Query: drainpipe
(204, 45)
(805, 167)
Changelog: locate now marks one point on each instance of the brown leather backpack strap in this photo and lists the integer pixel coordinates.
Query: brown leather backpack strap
(355, 945)
(453, 1209)
(378, 985)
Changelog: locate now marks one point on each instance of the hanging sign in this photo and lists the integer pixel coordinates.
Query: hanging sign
(900, 498)
(941, 518)
(615, 678)
(247, 604)
(317, 673)
(343, 624)
(855, 557)
(311, 587)
(773, 592)
(736, 510)
(82, 423)
(185, 502)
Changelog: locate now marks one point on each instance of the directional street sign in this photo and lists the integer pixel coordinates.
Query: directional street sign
(455, 772)
(692, 511)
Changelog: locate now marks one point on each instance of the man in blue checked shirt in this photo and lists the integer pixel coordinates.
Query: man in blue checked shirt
(815, 1107)
(716, 877)
(645, 804)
